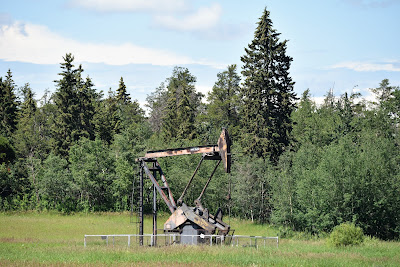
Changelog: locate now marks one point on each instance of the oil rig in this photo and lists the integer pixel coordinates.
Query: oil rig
(185, 220)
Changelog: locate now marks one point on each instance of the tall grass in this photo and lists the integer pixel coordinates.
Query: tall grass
(54, 239)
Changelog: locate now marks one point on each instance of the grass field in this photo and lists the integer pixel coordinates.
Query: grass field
(33, 239)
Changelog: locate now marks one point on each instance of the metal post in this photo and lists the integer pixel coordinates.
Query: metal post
(84, 242)
(208, 181)
(154, 208)
(180, 200)
(129, 241)
(141, 218)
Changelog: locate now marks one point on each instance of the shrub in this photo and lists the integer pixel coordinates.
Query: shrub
(346, 234)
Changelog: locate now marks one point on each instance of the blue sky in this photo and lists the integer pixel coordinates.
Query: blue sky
(344, 45)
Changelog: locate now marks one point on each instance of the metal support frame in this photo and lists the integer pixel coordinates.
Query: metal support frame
(141, 218)
(168, 200)
(220, 152)
(180, 200)
(154, 243)
(208, 181)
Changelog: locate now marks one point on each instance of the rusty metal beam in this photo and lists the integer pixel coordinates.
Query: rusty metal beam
(224, 146)
(164, 180)
(157, 186)
(208, 181)
(182, 151)
(180, 200)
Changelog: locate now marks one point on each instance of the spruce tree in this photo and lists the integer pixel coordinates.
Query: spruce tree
(182, 101)
(75, 100)
(66, 124)
(26, 137)
(122, 96)
(8, 106)
(107, 121)
(223, 99)
(29, 106)
(267, 93)
(87, 98)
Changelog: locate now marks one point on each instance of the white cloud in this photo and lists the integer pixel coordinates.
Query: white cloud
(164, 12)
(366, 66)
(372, 3)
(37, 44)
(204, 18)
(203, 89)
(318, 100)
(131, 5)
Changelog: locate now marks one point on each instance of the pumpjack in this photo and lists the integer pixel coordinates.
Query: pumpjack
(184, 219)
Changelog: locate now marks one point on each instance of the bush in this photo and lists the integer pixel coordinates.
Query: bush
(346, 234)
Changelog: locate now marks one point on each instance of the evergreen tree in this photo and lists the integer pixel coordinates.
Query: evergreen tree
(267, 93)
(7, 156)
(384, 91)
(129, 112)
(26, 137)
(66, 101)
(8, 106)
(182, 103)
(106, 118)
(303, 119)
(29, 106)
(74, 100)
(7, 153)
(87, 98)
(122, 96)
(44, 121)
(222, 110)
(346, 113)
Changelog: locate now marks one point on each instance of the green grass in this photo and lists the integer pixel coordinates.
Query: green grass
(53, 239)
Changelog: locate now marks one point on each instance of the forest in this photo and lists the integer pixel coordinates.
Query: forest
(296, 164)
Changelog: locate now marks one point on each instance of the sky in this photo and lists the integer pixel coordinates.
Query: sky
(343, 45)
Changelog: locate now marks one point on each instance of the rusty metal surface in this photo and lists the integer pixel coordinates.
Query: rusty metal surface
(164, 180)
(155, 183)
(224, 146)
(204, 224)
(182, 151)
(184, 217)
(175, 220)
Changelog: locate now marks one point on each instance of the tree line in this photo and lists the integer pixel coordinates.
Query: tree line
(296, 164)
